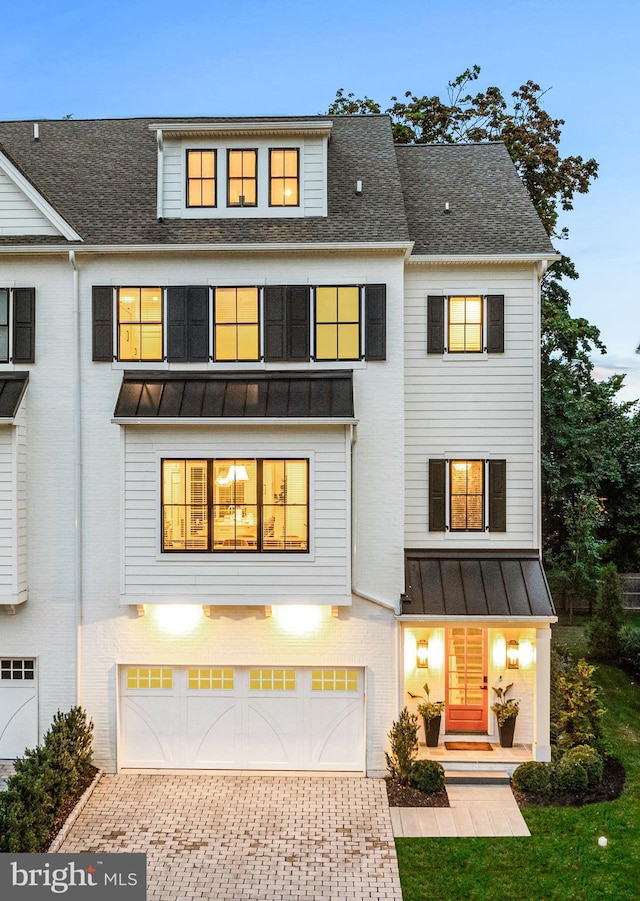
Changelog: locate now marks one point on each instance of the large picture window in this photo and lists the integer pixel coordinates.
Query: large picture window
(235, 505)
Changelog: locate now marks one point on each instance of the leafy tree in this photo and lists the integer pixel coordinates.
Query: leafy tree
(604, 633)
(590, 442)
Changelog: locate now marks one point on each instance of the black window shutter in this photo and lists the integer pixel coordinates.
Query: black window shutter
(274, 323)
(297, 318)
(437, 497)
(435, 325)
(24, 325)
(198, 324)
(495, 323)
(375, 322)
(497, 495)
(102, 311)
(177, 320)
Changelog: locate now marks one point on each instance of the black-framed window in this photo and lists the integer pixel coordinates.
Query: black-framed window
(236, 324)
(465, 324)
(17, 325)
(337, 322)
(284, 176)
(235, 504)
(201, 178)
(140, 324)
(467, 495)
(242, 178)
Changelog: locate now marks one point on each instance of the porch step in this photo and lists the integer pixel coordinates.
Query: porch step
(476, 777)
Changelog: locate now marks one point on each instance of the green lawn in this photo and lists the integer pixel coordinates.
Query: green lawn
(562, 858)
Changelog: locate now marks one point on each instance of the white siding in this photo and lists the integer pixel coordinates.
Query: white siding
(313, 178)
(7, 513)
(20, 444)
(480, 406)
(18, 215)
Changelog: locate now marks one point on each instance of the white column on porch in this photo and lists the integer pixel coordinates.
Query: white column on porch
(541, 737)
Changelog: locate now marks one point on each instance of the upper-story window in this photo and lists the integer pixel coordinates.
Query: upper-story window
(17, 325)
(465, 325)
(235, 505)
(337, 323)
(242, 178)
(236, 317)
(140, 324)
(284, 177)
(466, 495)
(201, 178)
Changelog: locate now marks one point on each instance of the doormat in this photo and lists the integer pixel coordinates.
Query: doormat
(468, 746)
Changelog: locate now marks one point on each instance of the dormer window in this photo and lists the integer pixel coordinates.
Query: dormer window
(284, 176)
(201, 178)
(242, 178)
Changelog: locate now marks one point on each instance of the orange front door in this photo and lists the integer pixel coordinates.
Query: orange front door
(466, 675)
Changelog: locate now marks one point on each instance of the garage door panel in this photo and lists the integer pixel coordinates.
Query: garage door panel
(272, 725)
(212, 732)
(18, 720)
(147, 735)
(336, 733)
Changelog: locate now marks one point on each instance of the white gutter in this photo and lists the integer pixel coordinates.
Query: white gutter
(77, 472)
(484, 258)
(232, 420)
(381, 602)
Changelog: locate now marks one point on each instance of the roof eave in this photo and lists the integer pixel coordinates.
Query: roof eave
(235, 420)
(463, 617)
(426, 258)
(399, 247)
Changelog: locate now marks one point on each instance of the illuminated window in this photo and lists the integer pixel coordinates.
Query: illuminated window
(140, 324)
(201, 178)
(272, 679)
(211, 678)
(242, 182)
(466, 483)
(235, 505)
(237, 332)
(284, 178)
(465, 324)
(334, 680)
(152, 677)
(337, 323)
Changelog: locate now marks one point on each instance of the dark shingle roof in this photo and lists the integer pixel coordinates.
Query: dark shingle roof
(100, 175)
(12, 388)
(490, 210)
(476, 583)
(229, 395)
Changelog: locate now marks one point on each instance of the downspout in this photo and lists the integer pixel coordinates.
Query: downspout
(354, 522)
(77, 473)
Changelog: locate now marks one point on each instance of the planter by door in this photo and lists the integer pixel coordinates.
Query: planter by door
(506, 732)
(432, 730)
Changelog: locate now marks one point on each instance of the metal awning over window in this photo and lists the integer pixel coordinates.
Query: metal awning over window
(476, 583)
(261, 395)
(12, 388)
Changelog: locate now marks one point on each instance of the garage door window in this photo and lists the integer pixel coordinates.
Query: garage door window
(207, 678)
(272, 679)
(149, 677)
(17, 670)
(334, 680)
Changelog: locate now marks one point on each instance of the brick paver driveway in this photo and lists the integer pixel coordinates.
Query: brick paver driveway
(229, 838)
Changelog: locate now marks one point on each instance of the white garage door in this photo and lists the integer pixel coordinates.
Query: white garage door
(242, 718)
(18, 706)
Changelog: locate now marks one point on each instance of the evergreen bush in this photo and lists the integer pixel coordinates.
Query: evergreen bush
(603, 635)
(532, 776)
(403, 738)
(570, 776)
(590, 760)
(630, 649)
(427, 776)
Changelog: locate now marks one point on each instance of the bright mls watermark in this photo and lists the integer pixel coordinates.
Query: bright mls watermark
(103, 877)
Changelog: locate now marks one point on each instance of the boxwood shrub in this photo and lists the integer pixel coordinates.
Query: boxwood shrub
(570, 776)
(532, 776)
(427, 776)
(590, 760)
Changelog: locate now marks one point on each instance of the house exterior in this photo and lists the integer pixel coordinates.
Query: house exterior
(269, 439)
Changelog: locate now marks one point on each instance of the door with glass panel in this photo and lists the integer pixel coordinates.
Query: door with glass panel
(466, 680)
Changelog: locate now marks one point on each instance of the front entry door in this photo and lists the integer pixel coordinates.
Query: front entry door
(466, 675)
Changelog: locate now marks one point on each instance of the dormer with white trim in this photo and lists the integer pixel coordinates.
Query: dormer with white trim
(242, 169)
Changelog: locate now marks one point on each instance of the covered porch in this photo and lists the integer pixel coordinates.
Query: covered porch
(473, 622)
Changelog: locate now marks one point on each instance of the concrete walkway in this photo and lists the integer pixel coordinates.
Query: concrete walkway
(476, 810)
(230, 838)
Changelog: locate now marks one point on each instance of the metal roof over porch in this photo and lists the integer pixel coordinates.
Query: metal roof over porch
(499, 584)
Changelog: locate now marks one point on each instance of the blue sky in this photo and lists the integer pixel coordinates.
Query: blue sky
(101, 58)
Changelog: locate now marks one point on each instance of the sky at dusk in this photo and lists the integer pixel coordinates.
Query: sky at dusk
(98, 59)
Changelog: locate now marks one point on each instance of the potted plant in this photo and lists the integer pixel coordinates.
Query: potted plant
(431, 713)
(506, 711)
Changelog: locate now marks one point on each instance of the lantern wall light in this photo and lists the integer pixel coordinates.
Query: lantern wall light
(422, 655)
(513, 655)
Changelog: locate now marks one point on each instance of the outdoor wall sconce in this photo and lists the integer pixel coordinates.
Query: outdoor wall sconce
(422, 655)
(513, 655)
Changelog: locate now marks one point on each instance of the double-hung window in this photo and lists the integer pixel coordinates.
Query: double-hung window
(284, 177)
(235, 504)
(237, 324)
(242, 178)
(17, 325)
(140, 333)
(201, 178)
(467, 495)
(337, 335)
(465, 324)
